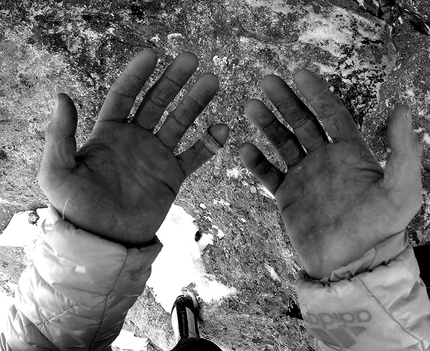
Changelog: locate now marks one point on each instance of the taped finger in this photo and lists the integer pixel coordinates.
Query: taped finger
(210, 144)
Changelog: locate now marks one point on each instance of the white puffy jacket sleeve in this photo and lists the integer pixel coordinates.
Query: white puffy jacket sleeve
(377, 302)
(76, 293)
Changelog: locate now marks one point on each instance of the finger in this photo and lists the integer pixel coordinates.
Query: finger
(124, 90)
(60, 145)
(165, 89)
(279, 136)
(333, 113)
(260, 167)
(305, 125)
(190, 107)
(403, 168)
(213, 141)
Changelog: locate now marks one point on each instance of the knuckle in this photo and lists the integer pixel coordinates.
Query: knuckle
(159, 101)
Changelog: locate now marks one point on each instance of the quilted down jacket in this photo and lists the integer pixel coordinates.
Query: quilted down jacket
(376, 303)
(79, 288)
(76, 293)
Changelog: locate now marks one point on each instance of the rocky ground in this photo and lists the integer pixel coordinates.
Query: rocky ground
(373, 53)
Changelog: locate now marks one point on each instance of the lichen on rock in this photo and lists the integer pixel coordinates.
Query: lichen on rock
(372, 53)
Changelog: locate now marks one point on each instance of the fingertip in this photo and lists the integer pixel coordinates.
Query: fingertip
(188, 60)
(253, 108)
(308, 82)
(65, 116)
(401, 138)
(271, 83)
(137, 71)
(204, 89)
(210, 80)
(60, 145)
(401, 109)
(302, 73)
(259, 114)
(248, 154)
(190, 55)
(148, 55)
(399, 122)
(182, 68)
(249, 104)
(245, 147)
(402, 112)
(63, 98)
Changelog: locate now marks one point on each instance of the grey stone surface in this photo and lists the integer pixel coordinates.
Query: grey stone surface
(372, 54)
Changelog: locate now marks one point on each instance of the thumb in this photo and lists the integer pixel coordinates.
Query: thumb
(403, 168)
(60, 144)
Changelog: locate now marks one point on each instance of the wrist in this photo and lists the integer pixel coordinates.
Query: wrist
(381, 253)
(128, 238)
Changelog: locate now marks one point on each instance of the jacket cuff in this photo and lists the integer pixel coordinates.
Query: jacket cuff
(377, 302)
(380, 254)
(84, 257)
(78, 289)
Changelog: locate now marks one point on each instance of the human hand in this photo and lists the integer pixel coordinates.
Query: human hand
(122, 182)
(335, 199)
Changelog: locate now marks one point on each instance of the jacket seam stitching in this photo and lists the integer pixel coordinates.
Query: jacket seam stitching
(74, 304)
(44, 323)
(105, 302)
(389, 314)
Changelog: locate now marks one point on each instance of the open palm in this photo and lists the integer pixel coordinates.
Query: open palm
(122, 182)
(336, 200)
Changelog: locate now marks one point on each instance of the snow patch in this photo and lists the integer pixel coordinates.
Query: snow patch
(205, 240)
(426, 138)
(180, 264)
(127, 340)
(272, 273)
(20, 232)
(174, 36)
(233, 173)
(220, 233)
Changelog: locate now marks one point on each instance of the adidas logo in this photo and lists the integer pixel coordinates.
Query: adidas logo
(339, 329)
